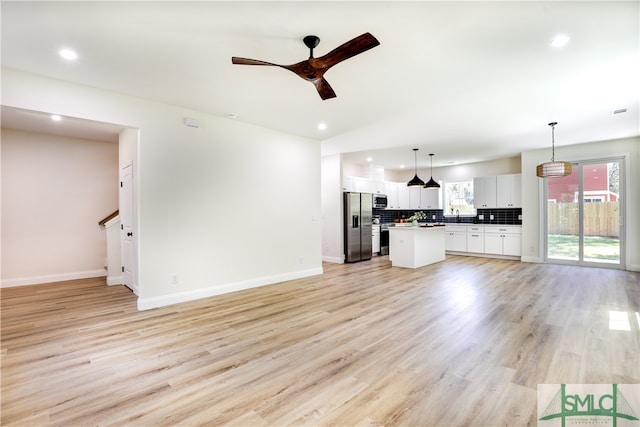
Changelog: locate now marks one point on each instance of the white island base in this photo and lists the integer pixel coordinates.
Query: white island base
(413, 247)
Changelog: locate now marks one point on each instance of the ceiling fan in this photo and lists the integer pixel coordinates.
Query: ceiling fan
(313, 69)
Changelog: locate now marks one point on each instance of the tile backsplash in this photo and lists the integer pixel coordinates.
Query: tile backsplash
(500, 216)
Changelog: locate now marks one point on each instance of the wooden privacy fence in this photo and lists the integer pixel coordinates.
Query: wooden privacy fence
(600, 219)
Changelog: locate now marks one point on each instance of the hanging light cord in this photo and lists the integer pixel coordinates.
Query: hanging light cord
(553, 143)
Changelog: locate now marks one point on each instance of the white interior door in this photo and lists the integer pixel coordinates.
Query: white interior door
(127, 237)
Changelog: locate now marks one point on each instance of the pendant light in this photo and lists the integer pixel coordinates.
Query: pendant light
(432, 184)
(553, 169)
(415, 181)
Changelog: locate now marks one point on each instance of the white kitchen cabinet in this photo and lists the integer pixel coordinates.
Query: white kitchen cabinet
(397, 195)
(356, 184)
(375, 239)
(403, 196)
(423, 198)
(503, 240)
(475, 239)
(430, 199)
(484, 192)
(509, 191)
(455, 238)
(377, 187)
(363, 185)
(512, 244)
(414, 197)
(348, 184)
(391, 190)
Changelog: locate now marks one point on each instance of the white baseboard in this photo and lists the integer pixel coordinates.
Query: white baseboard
(531, 259)
(633, 267)
(114, 280)
(36, 280)
(333, 259)
(163, 300)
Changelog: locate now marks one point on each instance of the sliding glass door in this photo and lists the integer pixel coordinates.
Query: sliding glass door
(584, 215)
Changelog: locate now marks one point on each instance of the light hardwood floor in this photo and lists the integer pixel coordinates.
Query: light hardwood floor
(464, 342)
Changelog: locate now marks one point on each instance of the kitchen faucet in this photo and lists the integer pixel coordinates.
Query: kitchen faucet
(457, 215)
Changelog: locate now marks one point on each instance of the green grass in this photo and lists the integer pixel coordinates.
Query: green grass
(595, 248)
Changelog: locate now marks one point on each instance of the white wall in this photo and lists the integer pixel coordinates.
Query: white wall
(223, 207)
(332, 243)
(532, 187)
(460, 172)
(54, 192)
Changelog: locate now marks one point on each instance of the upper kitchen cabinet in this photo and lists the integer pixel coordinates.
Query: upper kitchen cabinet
(509, 191)
(484, 192)
(431, 199)
(423, 198)
(377, 187)
(397, 195)
(414, 197)
(391, 190)
(356, 184)
(403, 196)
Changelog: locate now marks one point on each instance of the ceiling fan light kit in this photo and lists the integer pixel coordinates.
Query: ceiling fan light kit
(553, 169)
(313, 69)
(415, 181)
(432, 184)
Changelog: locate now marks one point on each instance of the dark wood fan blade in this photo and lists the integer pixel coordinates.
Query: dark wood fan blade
(313, 69)
(324, 89)
(351, 48)
(247, 61)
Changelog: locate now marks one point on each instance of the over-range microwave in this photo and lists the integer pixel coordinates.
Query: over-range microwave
(379, 201)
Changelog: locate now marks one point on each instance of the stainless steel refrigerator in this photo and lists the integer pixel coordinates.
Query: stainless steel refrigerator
(358, 210)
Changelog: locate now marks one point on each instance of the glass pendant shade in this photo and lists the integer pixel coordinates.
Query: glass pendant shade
(415, 181)
(432, 184)
(553, 169)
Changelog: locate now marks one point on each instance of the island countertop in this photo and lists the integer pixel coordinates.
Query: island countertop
(413, 247)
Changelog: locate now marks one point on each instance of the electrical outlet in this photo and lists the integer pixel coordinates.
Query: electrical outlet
(491, 217)
(174, 279)
(433, 217)
(481, 217)
(301, 260)
(519, 217)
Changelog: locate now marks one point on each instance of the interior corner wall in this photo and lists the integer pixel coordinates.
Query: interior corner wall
(532, 187)
(332, 243)
(55, 190)
(223, 207)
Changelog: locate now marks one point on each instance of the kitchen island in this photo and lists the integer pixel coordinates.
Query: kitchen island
(416, 246)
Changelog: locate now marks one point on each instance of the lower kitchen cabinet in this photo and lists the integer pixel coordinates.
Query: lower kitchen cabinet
(503, 241)
(475, 239)
(455, 238)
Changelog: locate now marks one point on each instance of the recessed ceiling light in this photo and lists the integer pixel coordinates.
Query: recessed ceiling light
(560, 40)
(56, 118)
(322, 126)
(232, 116)
(68, 54)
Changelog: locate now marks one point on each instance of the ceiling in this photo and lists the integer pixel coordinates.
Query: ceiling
(468, 81)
